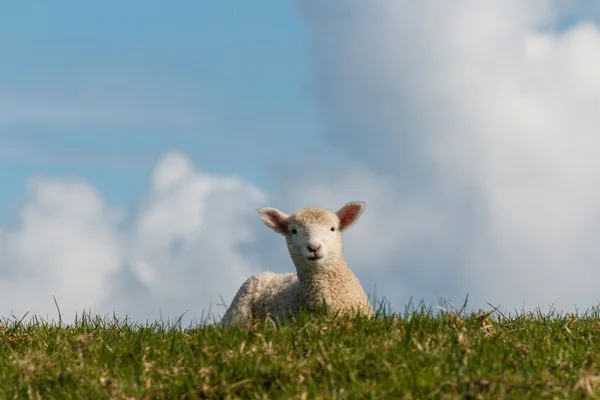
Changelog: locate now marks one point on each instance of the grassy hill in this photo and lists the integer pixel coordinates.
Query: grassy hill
(416, 356)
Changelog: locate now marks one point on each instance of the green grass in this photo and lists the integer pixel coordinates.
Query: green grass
(419, 355)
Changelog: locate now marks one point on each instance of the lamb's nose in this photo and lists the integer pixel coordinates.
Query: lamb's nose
(313, 247)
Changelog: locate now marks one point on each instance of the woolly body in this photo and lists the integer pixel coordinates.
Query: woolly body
(314, 241)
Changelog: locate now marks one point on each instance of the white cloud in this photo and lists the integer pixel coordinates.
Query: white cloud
(187, 240)
(483, 118)
(64, 243)
(180, 252)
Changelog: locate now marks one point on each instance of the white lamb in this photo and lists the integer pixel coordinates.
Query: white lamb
(314, 241)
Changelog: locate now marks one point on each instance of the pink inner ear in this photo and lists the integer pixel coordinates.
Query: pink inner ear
(348, 214)
(278, 221)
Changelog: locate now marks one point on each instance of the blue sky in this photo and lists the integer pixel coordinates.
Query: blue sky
(227, 82)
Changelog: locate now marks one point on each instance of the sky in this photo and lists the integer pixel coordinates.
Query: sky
(138, 139)
(101, 89)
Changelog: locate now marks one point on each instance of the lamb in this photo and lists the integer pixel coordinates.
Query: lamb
(314, 241)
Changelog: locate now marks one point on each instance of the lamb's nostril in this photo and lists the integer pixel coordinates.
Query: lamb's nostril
(313, 247)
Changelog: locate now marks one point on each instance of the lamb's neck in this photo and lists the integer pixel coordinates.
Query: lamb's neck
(312, 279)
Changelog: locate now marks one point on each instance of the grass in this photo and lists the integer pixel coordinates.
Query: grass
(422, 354)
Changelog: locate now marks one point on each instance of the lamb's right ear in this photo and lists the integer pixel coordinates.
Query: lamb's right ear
(274, 219)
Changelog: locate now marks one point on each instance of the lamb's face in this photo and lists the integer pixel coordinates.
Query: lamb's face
(313, 234)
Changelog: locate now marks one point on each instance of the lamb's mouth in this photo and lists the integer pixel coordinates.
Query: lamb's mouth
(314, 258)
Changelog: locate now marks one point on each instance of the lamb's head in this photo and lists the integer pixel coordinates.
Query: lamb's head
(313, 234)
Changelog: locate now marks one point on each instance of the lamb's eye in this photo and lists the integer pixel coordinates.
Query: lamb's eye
(332, 229)
(294, 231)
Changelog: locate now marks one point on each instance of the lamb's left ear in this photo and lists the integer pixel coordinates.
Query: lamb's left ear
(274, 219)
(350, 213)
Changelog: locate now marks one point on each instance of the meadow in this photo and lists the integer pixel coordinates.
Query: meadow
(419, 354)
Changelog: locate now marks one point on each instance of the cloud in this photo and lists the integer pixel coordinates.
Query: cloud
(191, 240)
(188, 243)
(478, 123)
(63, 243)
